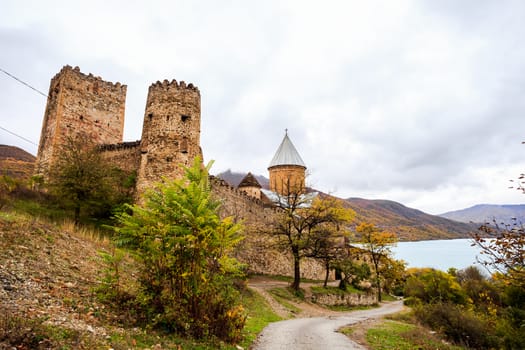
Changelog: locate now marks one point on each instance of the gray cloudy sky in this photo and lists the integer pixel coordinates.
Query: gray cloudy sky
(419, 102)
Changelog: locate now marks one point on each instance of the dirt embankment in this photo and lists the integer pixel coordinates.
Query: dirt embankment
(49, 273)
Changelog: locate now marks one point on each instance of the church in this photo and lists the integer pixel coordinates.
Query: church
(287, 172)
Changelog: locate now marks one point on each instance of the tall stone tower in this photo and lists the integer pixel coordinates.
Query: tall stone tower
(287, 169)
(79, 104)
(170, 133)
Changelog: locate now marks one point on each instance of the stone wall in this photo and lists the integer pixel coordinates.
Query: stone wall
(124, 155)
(80, 104)
(347, 299)
(258, 250)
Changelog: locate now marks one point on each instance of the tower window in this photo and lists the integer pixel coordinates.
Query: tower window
(184, 145)
(184, 117)
(167, 118)
(150, 116)
(169, 159)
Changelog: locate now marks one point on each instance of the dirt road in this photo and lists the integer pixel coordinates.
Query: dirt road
(318, 332)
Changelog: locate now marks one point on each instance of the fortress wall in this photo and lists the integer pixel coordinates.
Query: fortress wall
(124, 155)
(258, 250)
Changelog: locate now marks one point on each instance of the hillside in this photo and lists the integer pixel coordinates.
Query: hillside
(482, 213)
(49, 275)
(409, 224)
(16, 162)
(41, 275)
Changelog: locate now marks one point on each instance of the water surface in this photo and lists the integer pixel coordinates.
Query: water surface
(439, 254)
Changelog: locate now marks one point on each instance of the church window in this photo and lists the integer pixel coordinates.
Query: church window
(184, 117)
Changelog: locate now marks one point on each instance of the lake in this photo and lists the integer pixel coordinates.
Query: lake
(439, 254)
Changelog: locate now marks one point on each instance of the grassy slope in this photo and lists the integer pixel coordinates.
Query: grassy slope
(398, 331)
(48, 274)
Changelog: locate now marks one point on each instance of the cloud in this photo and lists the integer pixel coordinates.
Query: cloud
(415, 101)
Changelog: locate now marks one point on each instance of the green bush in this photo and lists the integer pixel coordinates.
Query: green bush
(459, 325)
(429, 286)
(187, 275)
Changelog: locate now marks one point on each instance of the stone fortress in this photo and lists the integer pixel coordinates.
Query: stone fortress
(87, 106)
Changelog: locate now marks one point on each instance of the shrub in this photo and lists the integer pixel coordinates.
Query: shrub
(458, 325)
(187, 275)
(429, 285)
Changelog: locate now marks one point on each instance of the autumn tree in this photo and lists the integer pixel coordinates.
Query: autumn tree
(328, 246)
(503, 249)
(377, 244)
(185, 249)
(302, 220)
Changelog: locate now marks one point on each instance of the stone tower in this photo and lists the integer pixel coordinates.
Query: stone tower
(287, 169)
(170, 132)
(79, 104)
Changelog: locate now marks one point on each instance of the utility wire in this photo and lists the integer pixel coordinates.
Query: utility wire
(23, 82)
(45, 95)
(23, 138)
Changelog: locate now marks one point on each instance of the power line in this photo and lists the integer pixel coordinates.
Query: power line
(23, 82)
(21, 137)
(45, 95)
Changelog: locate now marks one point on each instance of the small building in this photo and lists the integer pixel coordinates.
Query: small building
(250, 186)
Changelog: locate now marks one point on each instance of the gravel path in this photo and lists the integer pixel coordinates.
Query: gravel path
(318, 332)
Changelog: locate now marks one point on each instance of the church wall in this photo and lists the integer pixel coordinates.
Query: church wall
(285, 179)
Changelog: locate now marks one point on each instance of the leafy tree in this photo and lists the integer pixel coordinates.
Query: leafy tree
(184, 247)
(352, 272)
(503, 250)
(83, 181)
(303, 221)
(377, 244)
(328, 245)
(433, 286)
(394, 276)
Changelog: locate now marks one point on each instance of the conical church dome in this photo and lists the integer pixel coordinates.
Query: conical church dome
(287, 170)
(286, 154)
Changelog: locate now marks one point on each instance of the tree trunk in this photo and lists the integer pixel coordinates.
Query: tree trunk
(378, 277)
(296, 271)
(77, 215)
(327, 265)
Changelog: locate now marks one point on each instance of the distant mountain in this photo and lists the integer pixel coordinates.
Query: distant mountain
(407, 223)
(16, 162)
(483, 213)
(15, 153)
(235, 178)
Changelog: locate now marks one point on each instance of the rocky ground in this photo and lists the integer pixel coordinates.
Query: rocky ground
(49, 274)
